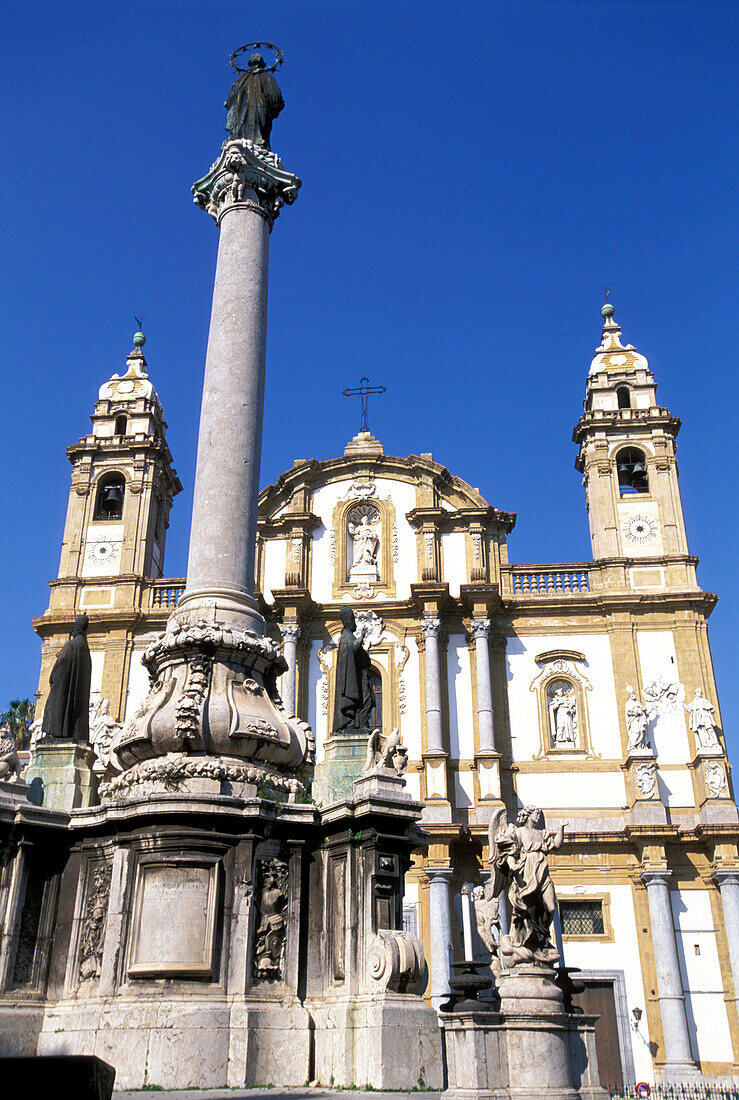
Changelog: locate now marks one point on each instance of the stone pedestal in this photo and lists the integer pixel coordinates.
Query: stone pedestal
(345, 755)
(61, 776)
(530, 1050)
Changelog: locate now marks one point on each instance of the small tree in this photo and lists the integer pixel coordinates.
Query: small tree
(18, 718)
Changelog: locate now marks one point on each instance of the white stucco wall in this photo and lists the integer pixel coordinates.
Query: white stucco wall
(710, 1037)
(563, 790)
(459, 683)
(454, 560)
(657, 659)
(275, 555)
(601, 700)
(622, 954)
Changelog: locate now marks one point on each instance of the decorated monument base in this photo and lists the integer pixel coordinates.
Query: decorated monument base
(345, 755)
(61, 776)
(531, 1050)
(194, 938)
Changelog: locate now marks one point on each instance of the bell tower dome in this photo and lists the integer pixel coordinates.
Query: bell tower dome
(123, 484)
(627, 458)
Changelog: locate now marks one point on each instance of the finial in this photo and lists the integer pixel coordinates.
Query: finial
(607, 310)
(138, 337)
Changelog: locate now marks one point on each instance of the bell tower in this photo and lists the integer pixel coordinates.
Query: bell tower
(627, 459)
(123, 484)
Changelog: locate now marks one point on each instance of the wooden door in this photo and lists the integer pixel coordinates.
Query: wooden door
(598, 999)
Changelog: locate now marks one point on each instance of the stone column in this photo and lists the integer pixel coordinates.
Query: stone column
(678, 1058)
(434, 741)
(728, 883)
(440, 933)
(481, 631)
(290, 633)
(243, 192)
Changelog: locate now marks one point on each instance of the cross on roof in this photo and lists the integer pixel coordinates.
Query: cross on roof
(362, 391)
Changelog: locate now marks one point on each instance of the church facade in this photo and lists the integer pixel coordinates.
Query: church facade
(584, 688)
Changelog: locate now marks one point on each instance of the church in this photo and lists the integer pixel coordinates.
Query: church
(582, 688)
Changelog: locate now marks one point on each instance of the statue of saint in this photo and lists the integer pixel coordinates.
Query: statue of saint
(67, 711)
(700, 713)
(637, 720)
(518, 854)
(563, 715)
(354, 697)
(254, 102)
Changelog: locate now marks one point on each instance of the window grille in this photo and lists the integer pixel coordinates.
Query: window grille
(581, 918)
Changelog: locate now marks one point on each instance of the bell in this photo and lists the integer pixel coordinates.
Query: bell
(638, 468)
(112, 499)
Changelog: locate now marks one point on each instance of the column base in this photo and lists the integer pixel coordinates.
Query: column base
(61, 776)
(224, 607)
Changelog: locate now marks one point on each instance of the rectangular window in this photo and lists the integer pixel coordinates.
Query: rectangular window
(582, 918)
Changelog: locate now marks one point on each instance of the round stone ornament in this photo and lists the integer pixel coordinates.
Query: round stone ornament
(640, 529)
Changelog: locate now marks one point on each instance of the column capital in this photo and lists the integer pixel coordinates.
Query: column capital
(430, 627)
(247, 176)
(480, 628)
(653, 875)
(728, 876)
(290, 631)
(438, 874)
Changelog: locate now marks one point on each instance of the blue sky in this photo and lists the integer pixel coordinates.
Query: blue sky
(472, 174)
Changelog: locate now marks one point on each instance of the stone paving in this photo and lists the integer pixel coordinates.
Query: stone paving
(275, 1094)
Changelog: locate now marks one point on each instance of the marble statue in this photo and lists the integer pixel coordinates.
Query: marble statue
(487, 920)
(700, 717)
(354, 697)
(103, 729)
(392, 754)
(563, 714)
(254, 101)
(9, 761)
(67, 715)
(518, 853)
(365, 545)
(637, 720)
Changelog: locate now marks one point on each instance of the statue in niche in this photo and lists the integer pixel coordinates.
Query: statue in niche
(354, 697)
(518, 854)
(700, 717)
(254, 101)
(67, 711)
(269, 938)
(562, 705)
(362, 528)
(637, 721)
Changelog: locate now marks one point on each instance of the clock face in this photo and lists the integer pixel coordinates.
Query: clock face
(102, 552)
(640, 529)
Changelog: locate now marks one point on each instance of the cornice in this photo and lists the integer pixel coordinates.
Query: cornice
(655, 417)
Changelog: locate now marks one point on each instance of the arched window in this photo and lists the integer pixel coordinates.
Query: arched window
(632, 471)
(111, 491)
(121, 424)
(623, 396)
(376, 715)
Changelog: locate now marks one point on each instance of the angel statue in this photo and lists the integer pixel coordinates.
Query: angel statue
(518, 854)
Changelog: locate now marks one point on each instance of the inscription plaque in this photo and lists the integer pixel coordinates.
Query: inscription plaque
(173, 930)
